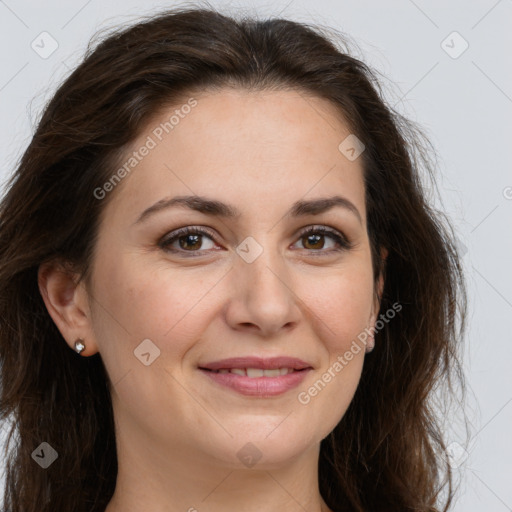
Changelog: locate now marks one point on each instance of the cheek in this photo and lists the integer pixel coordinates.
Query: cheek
(340, 305)
(340, 308)
(173, 307)
(137, 302)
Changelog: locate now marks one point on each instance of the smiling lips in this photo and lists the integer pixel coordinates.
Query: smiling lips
(256, 372)
(254, 376)
(270, 363)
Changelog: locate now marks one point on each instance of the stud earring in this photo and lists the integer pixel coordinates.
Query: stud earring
(79, 346)
(370, 345)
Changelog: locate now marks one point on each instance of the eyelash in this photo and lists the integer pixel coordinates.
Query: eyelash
(165, 242)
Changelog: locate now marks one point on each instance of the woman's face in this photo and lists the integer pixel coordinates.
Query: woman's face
(254, 286)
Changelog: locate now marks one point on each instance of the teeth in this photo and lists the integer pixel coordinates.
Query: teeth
(257, 372)
(270, 373)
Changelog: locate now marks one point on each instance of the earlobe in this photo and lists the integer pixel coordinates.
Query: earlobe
(66, 302)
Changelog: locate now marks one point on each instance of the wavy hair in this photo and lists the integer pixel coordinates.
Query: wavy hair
(388, 452)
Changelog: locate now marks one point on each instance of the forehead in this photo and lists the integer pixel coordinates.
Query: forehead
(238, 146)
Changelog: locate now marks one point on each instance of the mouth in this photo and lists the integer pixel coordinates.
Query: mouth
(257, 376)
(256, 373)
(256, 382)
(256, 363)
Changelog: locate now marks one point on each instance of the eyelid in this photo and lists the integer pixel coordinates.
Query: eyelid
(326, 230)
(174, 235)
(338, 236)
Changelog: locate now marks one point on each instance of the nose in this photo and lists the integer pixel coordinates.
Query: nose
(262, 299)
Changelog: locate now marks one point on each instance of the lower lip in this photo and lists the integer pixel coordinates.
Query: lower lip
(258, 386)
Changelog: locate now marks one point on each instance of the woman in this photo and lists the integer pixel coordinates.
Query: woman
(223, 218)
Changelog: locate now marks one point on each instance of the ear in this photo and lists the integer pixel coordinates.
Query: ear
(379, 287)
(68, 305)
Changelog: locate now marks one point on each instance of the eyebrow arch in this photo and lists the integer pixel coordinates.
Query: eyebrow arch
(220, 209)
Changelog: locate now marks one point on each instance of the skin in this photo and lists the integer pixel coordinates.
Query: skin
(177, 432)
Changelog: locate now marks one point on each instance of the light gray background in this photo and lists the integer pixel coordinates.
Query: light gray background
(465, 106)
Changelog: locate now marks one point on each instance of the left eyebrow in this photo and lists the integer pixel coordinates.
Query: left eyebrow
(219, 209)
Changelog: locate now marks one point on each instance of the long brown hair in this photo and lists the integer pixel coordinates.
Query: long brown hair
(388, 452)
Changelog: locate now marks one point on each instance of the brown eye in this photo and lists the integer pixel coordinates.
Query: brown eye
(190, 242)
(189, 239)
(313, 239)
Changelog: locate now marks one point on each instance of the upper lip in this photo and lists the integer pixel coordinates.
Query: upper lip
(270, 363)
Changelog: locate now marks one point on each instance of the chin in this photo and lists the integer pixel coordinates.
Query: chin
(264, 449)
